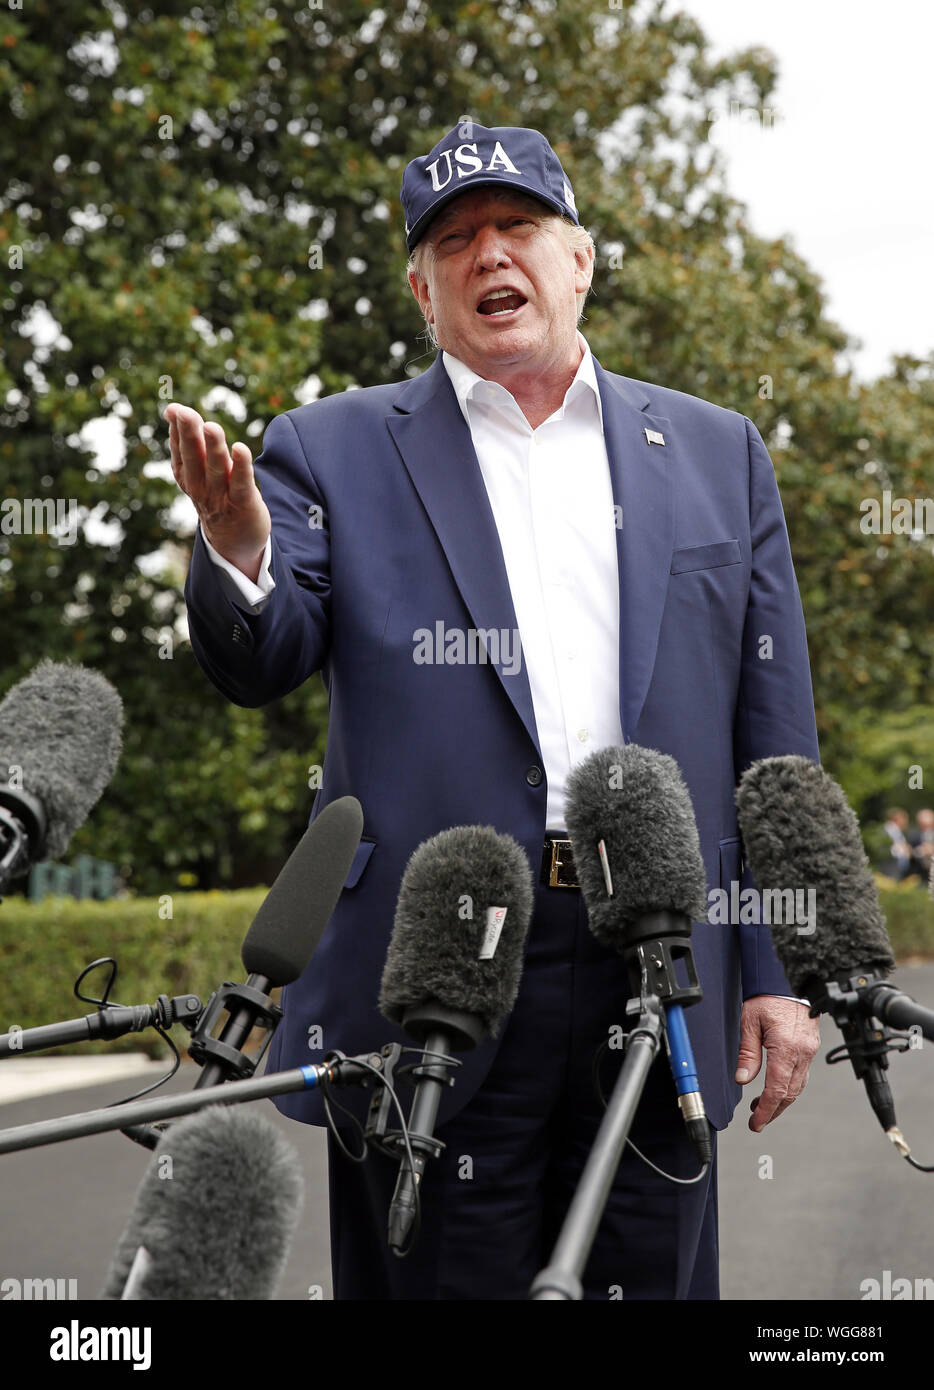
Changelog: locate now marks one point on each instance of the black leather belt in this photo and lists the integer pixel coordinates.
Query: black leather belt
(558, 869)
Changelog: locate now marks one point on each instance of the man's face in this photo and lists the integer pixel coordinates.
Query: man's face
(486, 242)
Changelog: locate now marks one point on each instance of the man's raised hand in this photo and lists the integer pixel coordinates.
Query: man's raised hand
(233, 515)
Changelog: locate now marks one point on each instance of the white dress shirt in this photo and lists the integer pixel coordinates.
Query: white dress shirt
(551, 498)
(552, 502)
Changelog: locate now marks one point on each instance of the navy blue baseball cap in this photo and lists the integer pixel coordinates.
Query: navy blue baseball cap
(476, 156)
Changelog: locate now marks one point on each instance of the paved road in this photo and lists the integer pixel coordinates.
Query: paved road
(839, 1208)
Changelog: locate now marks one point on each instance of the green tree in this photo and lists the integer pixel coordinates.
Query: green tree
(200, 202)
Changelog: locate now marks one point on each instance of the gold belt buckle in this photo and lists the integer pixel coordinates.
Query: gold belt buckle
(554, 879)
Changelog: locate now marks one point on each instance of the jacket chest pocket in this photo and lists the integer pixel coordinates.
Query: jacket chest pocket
(706, 557)
(731, 862)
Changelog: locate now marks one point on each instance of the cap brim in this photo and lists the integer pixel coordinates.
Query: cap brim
(416, 233)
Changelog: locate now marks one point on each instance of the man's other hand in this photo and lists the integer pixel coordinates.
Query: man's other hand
(790, 1037)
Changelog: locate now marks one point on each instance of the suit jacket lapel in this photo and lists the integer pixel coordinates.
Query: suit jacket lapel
(433, 438)
(643, 477)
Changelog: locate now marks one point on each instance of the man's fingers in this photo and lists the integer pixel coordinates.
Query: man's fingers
(760, 1117)
(190, 450)
(202, 447)
(174, 448)
(749, 1059)
(785, 1078)
(779, 1069)
(756, 1124)
(201, 463)
(241, 474)
(217, 458)
(175, 451)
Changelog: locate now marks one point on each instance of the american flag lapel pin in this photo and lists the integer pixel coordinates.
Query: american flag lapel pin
(654, 437)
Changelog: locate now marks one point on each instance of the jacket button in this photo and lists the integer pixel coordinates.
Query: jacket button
(534, 776)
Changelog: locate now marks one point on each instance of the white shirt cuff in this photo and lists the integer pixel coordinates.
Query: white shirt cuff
(793, 997)
(238, 586)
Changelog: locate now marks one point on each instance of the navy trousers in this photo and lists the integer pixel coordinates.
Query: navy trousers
(493, 1202)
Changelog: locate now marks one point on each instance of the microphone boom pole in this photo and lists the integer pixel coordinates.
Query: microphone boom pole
(341, 1069)
(561, 1279)
(113, 1021)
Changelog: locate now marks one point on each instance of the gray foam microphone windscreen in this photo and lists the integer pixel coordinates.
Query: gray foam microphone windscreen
(60, 730)
(636, 801)
(800, 833)
(444, 926)
(215, 1212)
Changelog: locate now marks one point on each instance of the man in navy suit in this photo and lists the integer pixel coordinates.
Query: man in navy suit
(500, 566)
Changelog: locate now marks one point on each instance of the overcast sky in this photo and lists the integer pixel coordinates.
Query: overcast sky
(846, 167)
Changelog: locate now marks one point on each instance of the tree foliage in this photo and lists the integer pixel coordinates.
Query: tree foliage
(200, 203)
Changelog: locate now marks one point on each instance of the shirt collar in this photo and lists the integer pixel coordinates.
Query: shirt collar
(466, 381)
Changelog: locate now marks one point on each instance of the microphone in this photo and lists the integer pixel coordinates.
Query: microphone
(277, 949)
(110, 1021)
(214, 1215)
(280, 943)
(452, 971)
(635, 844)
(60, 736)
(800, 832)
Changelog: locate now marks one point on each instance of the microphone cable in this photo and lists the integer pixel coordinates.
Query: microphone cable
(601, 1096)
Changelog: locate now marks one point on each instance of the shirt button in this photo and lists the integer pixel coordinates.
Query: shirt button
(583, 735)
(534, 776)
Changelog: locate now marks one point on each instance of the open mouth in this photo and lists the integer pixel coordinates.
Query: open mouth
(501, 304)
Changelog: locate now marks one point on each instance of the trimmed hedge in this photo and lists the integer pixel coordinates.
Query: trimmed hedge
(43, 947)
(909, 914)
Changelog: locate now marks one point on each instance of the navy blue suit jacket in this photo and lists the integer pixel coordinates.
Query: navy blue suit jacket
(382, 526)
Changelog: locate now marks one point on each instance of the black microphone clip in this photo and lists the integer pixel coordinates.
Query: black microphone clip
(440, 1030)
(867, 1041)
(237, 1065)
(22, 833)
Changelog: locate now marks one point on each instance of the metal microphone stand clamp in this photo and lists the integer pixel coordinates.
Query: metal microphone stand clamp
(654, 944)
(236, 1064)
(229, 1061)
(382, 1109)
(185, 1009)
(390, 1141)
(867, 1041)
(440, 1030)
